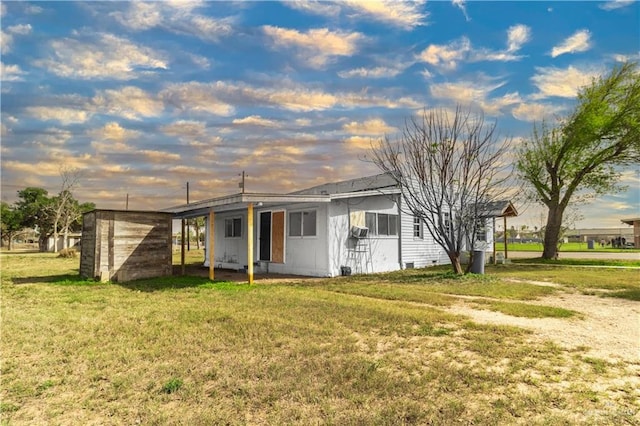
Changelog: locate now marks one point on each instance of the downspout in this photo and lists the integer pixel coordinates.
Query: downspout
(400, 261)
(328, 234)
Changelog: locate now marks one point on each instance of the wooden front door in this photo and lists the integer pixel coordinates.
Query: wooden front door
(277, 237)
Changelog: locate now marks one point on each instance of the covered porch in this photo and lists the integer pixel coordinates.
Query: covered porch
(267, 239)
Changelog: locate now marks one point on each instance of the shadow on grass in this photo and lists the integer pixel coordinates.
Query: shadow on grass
(63, 279)
(181, 282)
(146, 285)
(633, 294)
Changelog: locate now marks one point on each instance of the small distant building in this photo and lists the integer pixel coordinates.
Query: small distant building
(635, 222)
(585, 235)
(72, 240)
(125, 245)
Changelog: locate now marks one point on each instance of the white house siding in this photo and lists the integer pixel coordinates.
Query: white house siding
(230, 253)
(306, 255)
(420, 252)
(384, 250)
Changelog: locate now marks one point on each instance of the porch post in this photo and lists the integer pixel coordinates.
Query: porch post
(506, 250)
(494, 240)
(210, 245)
(250, 243)
(182, 265)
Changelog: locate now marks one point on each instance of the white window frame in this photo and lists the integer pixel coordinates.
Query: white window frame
(233, 228)
(481, 230)
(418, 228)
(374, 230)
(291, 222)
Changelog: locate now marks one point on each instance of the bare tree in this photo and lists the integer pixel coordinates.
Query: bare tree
(64, 211)
(450, 167)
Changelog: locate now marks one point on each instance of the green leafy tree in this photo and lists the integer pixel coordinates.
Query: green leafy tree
(10, 223)
(35, 207)
(582, 156)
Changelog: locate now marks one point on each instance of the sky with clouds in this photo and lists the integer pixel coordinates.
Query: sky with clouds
(146, 96)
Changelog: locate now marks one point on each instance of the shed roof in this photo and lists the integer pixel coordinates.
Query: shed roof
(630, 221)
(502, 208)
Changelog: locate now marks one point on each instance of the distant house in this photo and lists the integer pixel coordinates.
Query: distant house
(72, 240)
(354, 226)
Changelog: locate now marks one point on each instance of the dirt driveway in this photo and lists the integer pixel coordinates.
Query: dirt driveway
(609, 327)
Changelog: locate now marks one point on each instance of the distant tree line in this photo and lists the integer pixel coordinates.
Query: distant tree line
(48, 216)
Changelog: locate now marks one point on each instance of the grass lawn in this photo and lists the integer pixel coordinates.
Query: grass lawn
(365, 350)
(566, 247)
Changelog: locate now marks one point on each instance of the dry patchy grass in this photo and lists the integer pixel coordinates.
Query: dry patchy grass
(186, 351)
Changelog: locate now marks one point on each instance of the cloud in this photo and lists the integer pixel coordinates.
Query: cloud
(113, 131)
(535, 112)
(461, 4)
(255, 120)
(402, 14)
(559, 82)
(360, 143)
(128, 102)
(476, 92)
(11, 72)
(56, 137)
(446, 56)
(62, 114)
(578, 42)
(374, 126)
(315, 47)
(375, 72)
(198, 97)
(517, 35)
(156, 156)
(615, 4)
(100, 56)
(22, 29)
(6, 40)
(185, 129)
(175, 17)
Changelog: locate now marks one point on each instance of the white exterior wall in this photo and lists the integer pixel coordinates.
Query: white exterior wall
(229, 253)
(305, 255)
(420, 251)
(384, 249)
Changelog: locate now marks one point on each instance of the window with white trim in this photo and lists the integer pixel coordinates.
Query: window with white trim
(447, 223)
(233, 227)
(302, 224)
(481, 230)
(418, 231)
(382, 223)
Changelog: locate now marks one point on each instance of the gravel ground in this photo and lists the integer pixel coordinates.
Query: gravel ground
(609, 327)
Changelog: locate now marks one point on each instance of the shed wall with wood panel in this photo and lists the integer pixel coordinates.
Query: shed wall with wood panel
(125, 245)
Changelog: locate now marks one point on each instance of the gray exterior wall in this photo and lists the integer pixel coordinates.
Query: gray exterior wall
(125, 245)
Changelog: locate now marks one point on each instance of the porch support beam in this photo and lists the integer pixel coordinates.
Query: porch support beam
(210, 246)
(182, 262)
(250, 243)
(506, 250)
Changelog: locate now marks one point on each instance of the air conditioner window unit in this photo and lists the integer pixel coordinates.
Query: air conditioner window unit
(359, 232)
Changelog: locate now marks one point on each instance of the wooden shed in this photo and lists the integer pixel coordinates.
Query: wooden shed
(121, 245)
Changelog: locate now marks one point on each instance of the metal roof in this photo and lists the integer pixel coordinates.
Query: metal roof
(240, 201)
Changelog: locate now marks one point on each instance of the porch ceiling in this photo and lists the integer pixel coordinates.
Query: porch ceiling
(240, 202)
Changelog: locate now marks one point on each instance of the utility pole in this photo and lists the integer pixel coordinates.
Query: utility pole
(188, 222)
(241, 184)
(127, 205)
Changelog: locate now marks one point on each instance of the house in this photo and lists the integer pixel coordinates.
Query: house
(353, 226)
